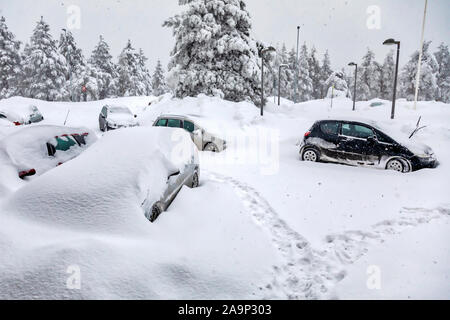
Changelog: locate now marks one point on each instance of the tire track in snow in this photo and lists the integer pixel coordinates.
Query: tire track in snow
(304, 274)
(307, 273)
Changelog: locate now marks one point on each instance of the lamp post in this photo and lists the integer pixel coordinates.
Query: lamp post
(296, 68)
(279, 80)
(263, 51)
(419, 63)
(390, 42)
(352, 64)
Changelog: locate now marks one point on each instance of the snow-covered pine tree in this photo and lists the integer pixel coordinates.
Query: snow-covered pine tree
(286, 73)
(386, 77)
(74, 56)
(101, 61)
(85, 84)
(305, 84)
(44, 68)
(314, 73)
(443, 78)
(214, 53)
(144, 77)
(367, 77)
(9, 62)
(428, 86)
(325, 73)
(292, 57)
(131, 75)
(159, 86)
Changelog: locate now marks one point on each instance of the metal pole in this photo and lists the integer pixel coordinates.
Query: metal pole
(354, 94)
(262, 82)
(419, 63)
(296, 67)
(279, 85)
(395, 81)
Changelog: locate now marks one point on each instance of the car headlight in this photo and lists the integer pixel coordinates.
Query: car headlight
(425, 156)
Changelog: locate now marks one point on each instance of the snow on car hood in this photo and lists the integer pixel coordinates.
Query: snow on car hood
(27, 148)
(105, 187)
(121, 118)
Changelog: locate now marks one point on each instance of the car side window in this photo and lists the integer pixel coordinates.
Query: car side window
(174, 123)
(330, 128)
(384, 138)
(161, 123)
(104, 111)
(189, 126)
(357, 131)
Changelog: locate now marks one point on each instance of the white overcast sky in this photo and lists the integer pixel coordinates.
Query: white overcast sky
(337, 25)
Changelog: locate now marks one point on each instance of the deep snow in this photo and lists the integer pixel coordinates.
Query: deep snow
(262, 224)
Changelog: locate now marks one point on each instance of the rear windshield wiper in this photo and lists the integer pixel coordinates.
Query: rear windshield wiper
(417, 129)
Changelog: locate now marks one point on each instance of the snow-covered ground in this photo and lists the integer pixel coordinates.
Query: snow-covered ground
(262, 224)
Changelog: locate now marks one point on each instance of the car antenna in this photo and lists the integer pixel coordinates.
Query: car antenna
(65, 121)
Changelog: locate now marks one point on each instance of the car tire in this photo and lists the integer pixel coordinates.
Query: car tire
(310, 155)
(154, 213)
(195, 180)
(396, 165)
(211, 147)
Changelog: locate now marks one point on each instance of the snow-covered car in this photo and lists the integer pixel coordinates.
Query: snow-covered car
(359, 143)
(20, 115)
(129, 174)
(38, 149)
(204, 140)
(115, 117)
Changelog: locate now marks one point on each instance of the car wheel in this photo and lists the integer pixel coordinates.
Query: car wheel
(310, 155)
(155, 213)
(195, 180)
(396, 165)
(211, 147)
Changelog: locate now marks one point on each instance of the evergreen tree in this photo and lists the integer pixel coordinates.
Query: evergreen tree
(428, 87)
(143, 74)
(85, 84)
(101, 61)
(368, 75)
(305, 84)
(159, 86)
(9, 62)
(314, 74)
(44, 68)
(286, 73)
(325, 73)
(293, 65)
(443, 78)
(74, 56)
(130, 73)
(386, 78)
(214, 53)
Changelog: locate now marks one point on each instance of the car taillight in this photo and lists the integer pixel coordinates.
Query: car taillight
(27, 173)
(307, 134)
(17, 123)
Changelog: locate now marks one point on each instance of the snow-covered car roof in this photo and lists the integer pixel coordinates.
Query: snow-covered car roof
(106, 185)
(18, 112)
(211, 126)
(27, 148)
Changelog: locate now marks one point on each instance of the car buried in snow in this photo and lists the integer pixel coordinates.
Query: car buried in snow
(38, 149)
(359, 143)
(116, 117)
(21, 115)
(203, 139)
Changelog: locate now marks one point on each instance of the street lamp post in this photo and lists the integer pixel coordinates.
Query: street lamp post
(390, 42)
(352, 64)
(296, 68)
(279, 80)
(263, 51)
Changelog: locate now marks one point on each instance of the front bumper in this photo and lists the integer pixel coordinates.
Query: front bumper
(424, 163)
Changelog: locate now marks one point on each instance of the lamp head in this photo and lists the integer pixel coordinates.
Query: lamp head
(352, 64)
(390, 42)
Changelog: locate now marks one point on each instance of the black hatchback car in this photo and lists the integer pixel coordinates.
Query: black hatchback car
(360, 144)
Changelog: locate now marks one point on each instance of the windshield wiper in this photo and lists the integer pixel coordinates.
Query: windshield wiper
(417, 129)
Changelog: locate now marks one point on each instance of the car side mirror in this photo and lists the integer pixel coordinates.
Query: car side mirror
(198, 132)
(176, 173)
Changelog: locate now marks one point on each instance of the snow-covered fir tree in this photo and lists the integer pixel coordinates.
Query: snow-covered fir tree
(9, 61)
(428, 87)
(443, 77)
(314, 73)
(101, 61)
(293, 66)
(386, 77)
(325, 73)
(305, 84)
(285, 76)
(214, 53)
(143, 74)
(131, 75)
(85, 84)
(44, 68)
(367, 77)
(159, 86)
(74, 56)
